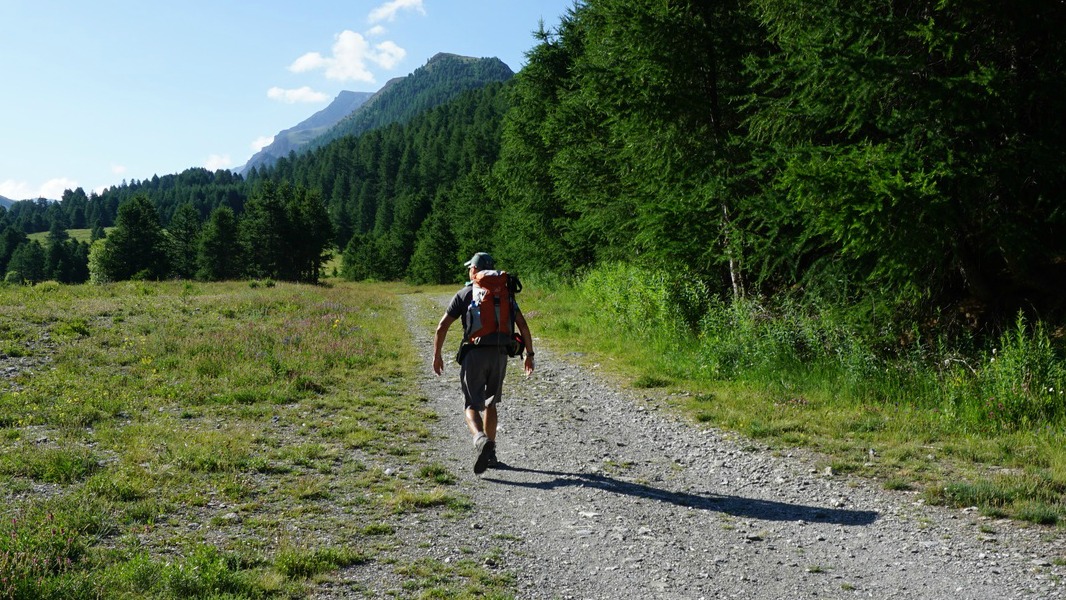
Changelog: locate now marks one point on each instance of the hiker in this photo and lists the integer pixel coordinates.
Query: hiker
(483, 359)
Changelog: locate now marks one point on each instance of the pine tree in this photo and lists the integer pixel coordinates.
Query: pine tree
(136, 247)
(183, 234)
(220, 254)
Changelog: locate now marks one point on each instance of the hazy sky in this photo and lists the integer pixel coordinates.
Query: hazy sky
(95, 92)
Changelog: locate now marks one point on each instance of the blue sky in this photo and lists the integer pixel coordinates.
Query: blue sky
(96, 92)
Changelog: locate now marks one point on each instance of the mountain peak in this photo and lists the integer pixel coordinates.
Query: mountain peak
(297, 136)
(446, 55)
(444, 76)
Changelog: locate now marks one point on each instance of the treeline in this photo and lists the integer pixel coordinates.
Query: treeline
(74, 211)
(203, 189)
(443, 77)
(27, 261)
(283, 232)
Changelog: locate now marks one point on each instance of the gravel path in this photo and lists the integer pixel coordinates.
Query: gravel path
(609, 495)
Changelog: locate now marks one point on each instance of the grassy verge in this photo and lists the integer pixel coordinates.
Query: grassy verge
(188, 440)
(990, 435)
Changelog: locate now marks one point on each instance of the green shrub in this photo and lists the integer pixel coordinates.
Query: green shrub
(51, 465)
(1022, 382)
(1038, 512)
(72, 328)
(206, 572)
(304, 563)
(647, 303)
(438, 473)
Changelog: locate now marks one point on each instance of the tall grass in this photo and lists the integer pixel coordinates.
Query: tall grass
(803, 374)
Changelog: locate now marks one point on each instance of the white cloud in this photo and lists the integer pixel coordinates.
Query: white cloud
(217, 161)
(308, 62)
(303, 94)
(387, 11)
(52, 189)
(118, 169)
(16, 190)
(351, 55)
(389, 54)
(376, 31)
(261, 142)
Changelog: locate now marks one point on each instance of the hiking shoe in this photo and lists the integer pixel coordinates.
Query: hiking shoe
(484, 448)
(492, 462)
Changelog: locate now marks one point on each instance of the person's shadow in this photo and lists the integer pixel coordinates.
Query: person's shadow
(767, 510)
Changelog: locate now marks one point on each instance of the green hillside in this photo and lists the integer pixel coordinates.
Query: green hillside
(440, 80)
(78, 235)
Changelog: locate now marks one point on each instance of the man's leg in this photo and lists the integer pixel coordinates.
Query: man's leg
(482, 378)
(490, 422)
(475, 423)
(482, 422)
(490, 432)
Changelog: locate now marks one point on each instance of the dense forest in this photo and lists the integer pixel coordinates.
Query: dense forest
(900, 156)
(903, 159)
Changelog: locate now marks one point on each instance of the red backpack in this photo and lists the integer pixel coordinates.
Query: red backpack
(491, 307)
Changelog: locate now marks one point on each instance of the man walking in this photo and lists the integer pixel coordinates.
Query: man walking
(483, 365)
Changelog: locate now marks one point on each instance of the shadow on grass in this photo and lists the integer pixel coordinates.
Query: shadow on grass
(755, 508)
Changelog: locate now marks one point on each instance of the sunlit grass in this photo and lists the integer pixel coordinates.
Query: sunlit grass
(198, 436)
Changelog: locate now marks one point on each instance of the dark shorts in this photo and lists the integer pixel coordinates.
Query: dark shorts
(482, 374)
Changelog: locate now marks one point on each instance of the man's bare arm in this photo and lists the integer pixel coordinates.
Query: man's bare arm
(527, 339)
(438, 342)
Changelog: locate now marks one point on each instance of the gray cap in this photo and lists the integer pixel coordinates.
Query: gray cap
(481, 261)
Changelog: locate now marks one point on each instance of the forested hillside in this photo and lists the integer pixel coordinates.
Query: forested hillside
(406, 200)
(900, 159)
(441, 79)
(295, 138)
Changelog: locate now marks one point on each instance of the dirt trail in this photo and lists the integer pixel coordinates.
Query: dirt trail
(607, 495)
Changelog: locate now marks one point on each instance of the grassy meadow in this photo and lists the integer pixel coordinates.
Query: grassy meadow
(222, 440)
(78, 235)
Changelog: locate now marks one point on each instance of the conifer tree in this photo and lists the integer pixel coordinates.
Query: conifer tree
(136, 247)
(27, 264)
(220, 254)
(183, 234)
